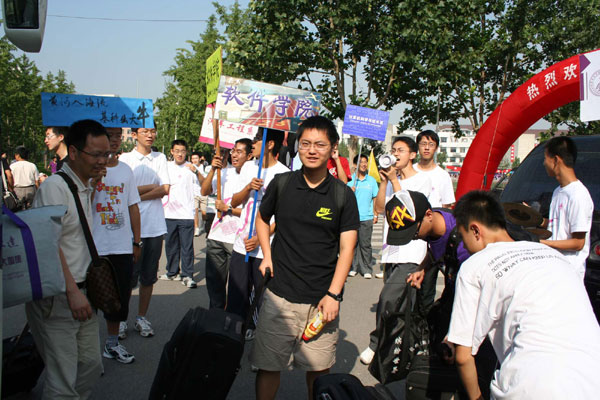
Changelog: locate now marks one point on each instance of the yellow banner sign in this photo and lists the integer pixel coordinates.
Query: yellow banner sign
(214, 68)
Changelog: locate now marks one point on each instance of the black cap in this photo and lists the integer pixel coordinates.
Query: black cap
(404, 211)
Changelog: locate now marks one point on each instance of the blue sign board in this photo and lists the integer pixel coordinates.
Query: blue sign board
(365, 122)
(113, 112)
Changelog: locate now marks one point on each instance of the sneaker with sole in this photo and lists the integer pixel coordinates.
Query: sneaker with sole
(367, 356)
(143, 326)
(368, 276)
(122, 330)
(352, 273)
(197, 232)
(118, 353)
(189, 282)
(165, 277)
(379, 275)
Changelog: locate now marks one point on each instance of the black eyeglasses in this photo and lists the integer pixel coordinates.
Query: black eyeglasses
(96, 155)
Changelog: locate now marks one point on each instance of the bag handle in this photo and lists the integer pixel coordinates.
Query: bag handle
(32, 260)
(84, 224)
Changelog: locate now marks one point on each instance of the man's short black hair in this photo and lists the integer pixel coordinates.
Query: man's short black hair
(355, 159)
(563, 147)
(22, 152)
(80, 130)
(247, 143)
(274, 135)
(59, 130)
(429, 134)
(321, 124)
(179, 142)
(412, 145)
(479, 206)
(197, 153)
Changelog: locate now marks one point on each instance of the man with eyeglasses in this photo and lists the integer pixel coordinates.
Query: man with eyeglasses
(152, 179)
(54, 140)
(65, 327)
(115, 228)
(317, 220)
(219, 242)
(398, 260)
(245, 275)
(179, 213)
(442, 191)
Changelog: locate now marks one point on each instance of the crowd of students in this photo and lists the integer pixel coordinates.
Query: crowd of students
(312, 230)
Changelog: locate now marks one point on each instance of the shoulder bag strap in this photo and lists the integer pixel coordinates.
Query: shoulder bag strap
(84, 224)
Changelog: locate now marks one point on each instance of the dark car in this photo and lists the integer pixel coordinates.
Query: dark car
(531, 184)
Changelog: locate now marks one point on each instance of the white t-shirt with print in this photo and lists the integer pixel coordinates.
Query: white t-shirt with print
(225, 228)
(530, 302)
(571, 211)
(249, 171)
(113, 196)
(414, 251)
(147, 170)
(179, 203)
(442, 191)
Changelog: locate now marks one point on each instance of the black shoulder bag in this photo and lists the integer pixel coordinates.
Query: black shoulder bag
(101, 280)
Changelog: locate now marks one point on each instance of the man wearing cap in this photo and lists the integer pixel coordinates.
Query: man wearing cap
(399, 255)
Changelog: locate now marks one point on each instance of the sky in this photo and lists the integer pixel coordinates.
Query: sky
(118, 57)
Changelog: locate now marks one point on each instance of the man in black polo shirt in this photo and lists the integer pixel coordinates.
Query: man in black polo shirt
(316, 217)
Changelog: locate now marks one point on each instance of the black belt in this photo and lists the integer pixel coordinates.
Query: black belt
(81, 285)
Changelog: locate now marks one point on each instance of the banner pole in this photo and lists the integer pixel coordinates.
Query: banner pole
(260, 166)
(358, 159)
(215, 124)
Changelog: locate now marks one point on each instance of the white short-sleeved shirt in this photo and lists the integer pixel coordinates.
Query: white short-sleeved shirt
(225, 228)
(442, 191)
(148, 170)
(531, 303)
(571, 211)
(113, 196)
(54, 191)
(25, 173)
(249, 171)
(179, 203)
(414, 251)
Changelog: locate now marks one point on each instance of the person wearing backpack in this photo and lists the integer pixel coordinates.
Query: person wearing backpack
(316, 217)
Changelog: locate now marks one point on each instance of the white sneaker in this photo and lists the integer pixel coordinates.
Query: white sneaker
(122, 330)
(189, 282)
(165, 277)
(352, 273)
(379, 275)
(367, 356)
(118, 353)
(197, 232)
(368, 276)
(143, 326)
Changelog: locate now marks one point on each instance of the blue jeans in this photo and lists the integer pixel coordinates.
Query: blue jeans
(179, 245)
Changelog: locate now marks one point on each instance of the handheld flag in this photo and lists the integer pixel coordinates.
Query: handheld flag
(373, 171)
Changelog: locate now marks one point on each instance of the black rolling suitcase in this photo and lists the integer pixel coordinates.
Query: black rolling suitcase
(202, 358)
(22, 364)
(347, 387)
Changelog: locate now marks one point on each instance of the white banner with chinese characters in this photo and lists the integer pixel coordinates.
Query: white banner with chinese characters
(263, 104)
(589, 87)
(229, 132)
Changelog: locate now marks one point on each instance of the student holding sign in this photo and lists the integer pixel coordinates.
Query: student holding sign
(243, 275)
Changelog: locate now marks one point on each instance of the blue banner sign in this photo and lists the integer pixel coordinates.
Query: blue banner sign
(365, 122)
(60, 109)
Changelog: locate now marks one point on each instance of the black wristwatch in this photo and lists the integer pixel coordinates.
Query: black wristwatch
(139, 244)
(337, 297)
(230, 209)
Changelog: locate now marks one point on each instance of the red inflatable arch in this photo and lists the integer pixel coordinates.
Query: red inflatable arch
(543, 93)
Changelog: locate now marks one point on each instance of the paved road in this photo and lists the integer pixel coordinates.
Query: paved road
(170, 302)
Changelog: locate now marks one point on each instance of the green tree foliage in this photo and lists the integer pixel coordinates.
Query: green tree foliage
(181, 108)
(20, 105)
(441, 158)
(378, 54)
